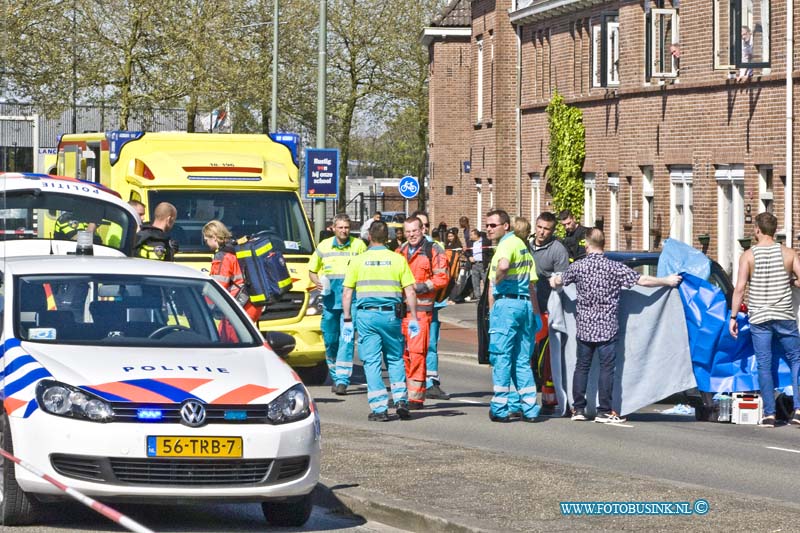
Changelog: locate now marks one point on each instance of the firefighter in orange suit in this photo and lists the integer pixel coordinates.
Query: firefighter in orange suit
(428, 263)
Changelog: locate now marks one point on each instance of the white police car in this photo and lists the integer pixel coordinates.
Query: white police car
(137, 380)
(42, 215)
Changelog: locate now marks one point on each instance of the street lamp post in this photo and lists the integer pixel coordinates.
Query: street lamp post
(274, 116)
(322, 64)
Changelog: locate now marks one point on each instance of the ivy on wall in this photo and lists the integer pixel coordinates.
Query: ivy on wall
(567, 150)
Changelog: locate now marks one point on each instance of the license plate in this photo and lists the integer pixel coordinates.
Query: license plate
(194, 446)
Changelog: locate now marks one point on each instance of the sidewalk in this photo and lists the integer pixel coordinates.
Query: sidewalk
(421, 485)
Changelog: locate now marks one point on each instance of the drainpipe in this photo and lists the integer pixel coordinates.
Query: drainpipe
(519, 121)
(789, 196)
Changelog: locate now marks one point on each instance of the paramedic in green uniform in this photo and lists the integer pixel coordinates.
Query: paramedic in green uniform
(330, 261)
(512, 302)
(379, 278)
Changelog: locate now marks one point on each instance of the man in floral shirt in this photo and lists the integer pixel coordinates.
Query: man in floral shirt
(599, 282)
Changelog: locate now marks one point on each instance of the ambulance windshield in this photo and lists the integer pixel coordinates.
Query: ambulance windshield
(279, 214)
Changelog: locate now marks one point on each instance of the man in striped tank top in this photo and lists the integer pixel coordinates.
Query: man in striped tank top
(767, 266)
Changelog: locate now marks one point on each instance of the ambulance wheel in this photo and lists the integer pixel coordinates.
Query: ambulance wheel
(314, 375)
(16, 507)
(288, 513)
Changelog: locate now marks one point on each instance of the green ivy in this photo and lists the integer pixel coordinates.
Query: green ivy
(567, 150)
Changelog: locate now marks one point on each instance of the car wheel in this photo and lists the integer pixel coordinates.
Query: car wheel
(288, 514)
(16, 507)
(314, 375)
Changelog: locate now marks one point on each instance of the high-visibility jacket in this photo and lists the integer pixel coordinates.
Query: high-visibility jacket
(432, 272)
(379, 277)
(330, 259)
(153, 243)
(521, 269)
(226, 271)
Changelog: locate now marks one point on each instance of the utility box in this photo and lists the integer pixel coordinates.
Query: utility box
(747, 408)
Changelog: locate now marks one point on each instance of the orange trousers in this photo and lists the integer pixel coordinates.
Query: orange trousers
(416, 350)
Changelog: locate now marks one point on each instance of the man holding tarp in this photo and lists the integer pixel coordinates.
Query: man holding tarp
(599, 281)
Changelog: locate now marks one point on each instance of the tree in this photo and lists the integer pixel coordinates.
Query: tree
(567, 151)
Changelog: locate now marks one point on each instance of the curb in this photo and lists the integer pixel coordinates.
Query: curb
(379, 508)
(456, 322)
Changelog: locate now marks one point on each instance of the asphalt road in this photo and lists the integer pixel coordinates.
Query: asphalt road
(214, 518)
(744, 459)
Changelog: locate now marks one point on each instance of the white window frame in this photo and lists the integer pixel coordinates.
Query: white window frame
(655, 17)
(613, 194)
(729, 250)
(479, 203)
(762, 27)
(605, 52)
(536, 195)
(723, 60)
(479, 83)
(589, 200)
(766, 199)
(648, 192)
(681, 204)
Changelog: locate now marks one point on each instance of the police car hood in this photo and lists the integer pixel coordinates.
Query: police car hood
(23, 247)
(171, 375)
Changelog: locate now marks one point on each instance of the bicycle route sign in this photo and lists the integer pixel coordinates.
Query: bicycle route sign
(408, 187)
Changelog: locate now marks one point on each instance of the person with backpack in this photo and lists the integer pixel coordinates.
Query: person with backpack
(225, 268)
(428, 264)
(326, 269)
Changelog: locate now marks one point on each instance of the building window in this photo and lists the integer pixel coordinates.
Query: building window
(605, 52)
(663, 43)
(648, 220)
(742, 35)
(681, 204)
(536, 195)
(730, 215)
(589, 200)
(613, 193)
(765, 198)
(479, 96)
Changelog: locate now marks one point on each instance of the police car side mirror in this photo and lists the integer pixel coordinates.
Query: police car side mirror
(281, 343)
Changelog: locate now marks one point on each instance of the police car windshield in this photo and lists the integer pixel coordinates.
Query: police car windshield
(128, 311)
(243, 212)
(36, 214)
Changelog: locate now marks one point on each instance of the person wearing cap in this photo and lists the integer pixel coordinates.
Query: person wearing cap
(152, 241)
(379, 278)
(512, 304)
(575, 236)
(330, 260)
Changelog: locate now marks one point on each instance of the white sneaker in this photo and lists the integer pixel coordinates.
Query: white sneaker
(579, 415)
(610, 418)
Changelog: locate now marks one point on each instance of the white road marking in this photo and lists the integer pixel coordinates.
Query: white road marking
(618, 425)
(782, 449)
(473, 402)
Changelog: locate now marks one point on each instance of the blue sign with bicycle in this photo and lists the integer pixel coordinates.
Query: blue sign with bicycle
(408, 187)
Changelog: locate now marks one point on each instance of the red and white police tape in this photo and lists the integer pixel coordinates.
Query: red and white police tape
(108, 512)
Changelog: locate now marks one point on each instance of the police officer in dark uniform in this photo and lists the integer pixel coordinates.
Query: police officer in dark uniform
(152, 241)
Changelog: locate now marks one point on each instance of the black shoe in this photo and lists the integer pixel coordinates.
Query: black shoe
(415, 406)
(436, 393)
(340, 389)
(378, 417)
(529, 420)
(500, 419)
(579, 415)
(333, 388)
(515, 414)
(402, 411)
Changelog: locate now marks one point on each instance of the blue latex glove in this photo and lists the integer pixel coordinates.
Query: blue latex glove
(413, 328)
(347, 331)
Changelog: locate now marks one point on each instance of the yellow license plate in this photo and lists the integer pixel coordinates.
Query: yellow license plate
(194, 446)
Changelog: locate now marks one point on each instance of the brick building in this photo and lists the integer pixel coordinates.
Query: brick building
(684, 105)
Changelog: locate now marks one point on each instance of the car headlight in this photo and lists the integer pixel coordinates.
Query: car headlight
(64, 400)
(291, 406)
(314, 303)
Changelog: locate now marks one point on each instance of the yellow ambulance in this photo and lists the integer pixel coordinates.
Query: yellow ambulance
(249, 182)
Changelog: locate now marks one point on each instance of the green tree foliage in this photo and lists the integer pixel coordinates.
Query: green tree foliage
(567, 151)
